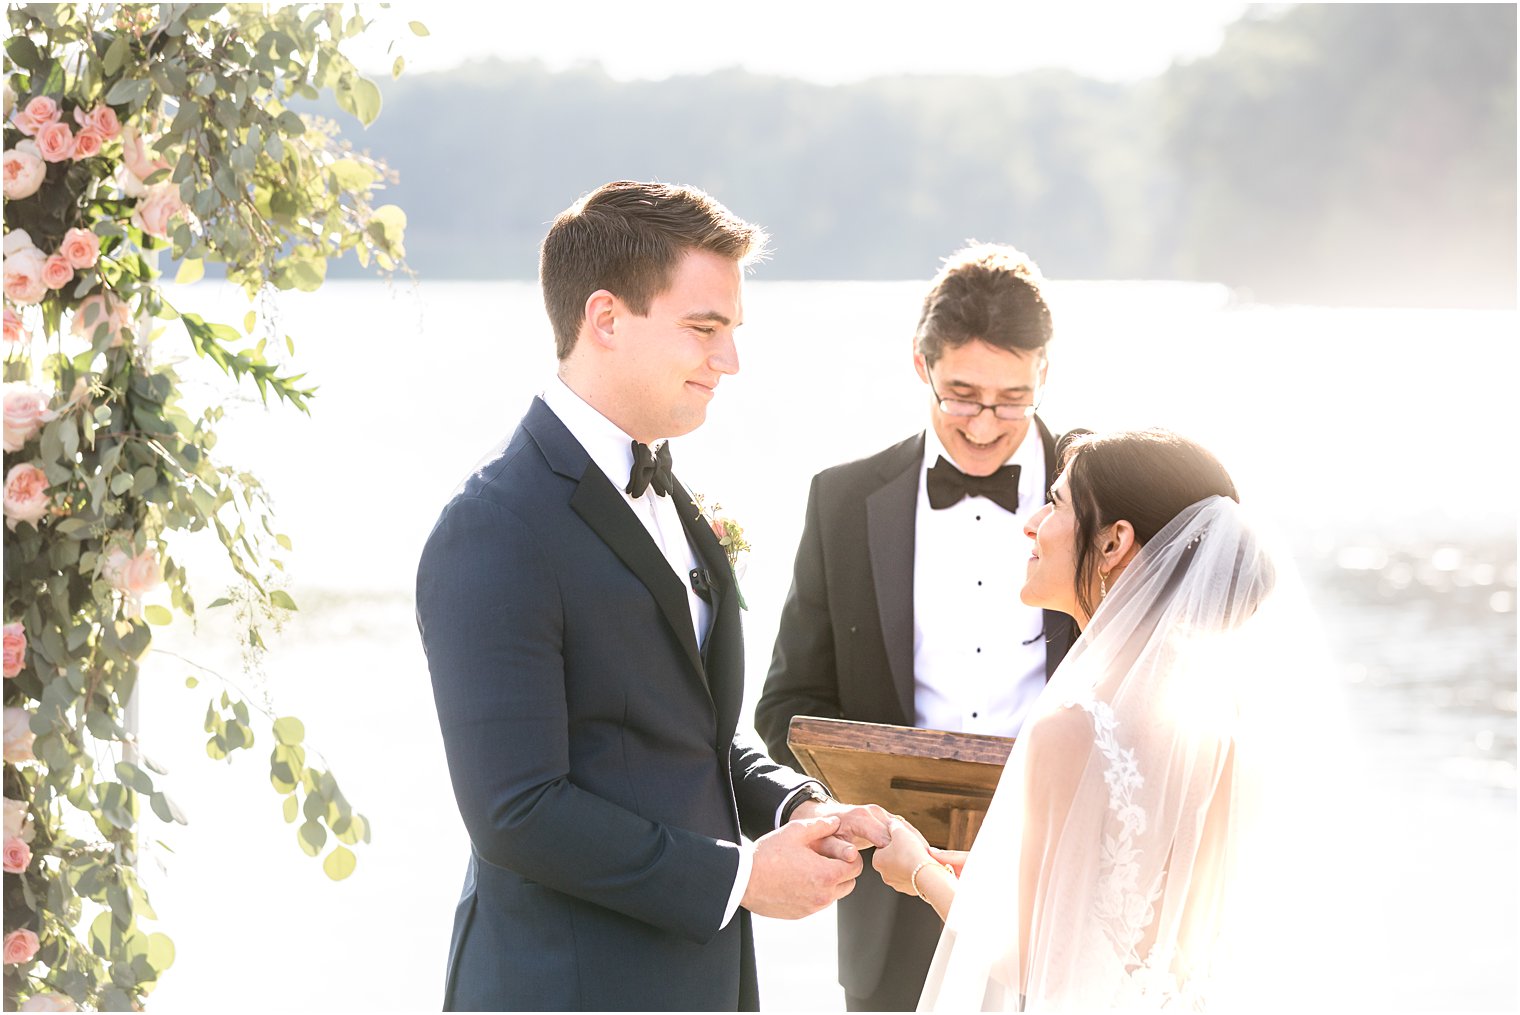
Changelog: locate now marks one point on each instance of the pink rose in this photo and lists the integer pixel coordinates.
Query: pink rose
(18, 734)
(157, 209)
(87, 143)
(15, 649)
(55, 142)
(18, 856)
(15, 328)
(20, 946)
(114, 314)
(138, 159)
(37, 114)
(57, 272)
(23, 271)
(24, 171)
(18, 820)
(81, 247)
(49, 1002)
(26, 496)
(26, 409)
(102, 119)
(133, 575)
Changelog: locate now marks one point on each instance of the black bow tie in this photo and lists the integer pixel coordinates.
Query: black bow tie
(650, 470)
(947, 485)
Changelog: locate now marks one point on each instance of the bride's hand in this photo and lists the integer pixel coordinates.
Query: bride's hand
(896, 860)
(956, 858)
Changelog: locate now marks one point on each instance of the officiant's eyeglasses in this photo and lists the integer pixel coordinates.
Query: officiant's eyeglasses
(1007, 411)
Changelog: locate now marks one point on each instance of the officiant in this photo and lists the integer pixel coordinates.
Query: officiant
(904, 607)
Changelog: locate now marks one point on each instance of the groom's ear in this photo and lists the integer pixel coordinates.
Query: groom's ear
(601, 319)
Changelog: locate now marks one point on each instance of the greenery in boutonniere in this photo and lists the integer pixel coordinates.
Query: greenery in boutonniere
(730, 536)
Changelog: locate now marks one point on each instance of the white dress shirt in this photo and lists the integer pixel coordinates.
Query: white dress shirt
(978, 652)
(611, 450)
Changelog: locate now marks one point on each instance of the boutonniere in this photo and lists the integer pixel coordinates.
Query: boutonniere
(730, 536)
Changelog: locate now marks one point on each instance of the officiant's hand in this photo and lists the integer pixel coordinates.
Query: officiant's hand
(791, 877)
(861, 825)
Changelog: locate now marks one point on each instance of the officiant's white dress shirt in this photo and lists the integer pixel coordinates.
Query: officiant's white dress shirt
(978, 652)
(611, 450)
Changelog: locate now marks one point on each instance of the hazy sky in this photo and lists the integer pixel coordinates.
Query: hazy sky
(827, 41)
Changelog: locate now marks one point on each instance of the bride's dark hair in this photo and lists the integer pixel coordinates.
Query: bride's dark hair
(1142, 476)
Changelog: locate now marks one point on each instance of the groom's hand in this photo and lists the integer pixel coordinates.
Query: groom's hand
(862, 825)
(791, 878)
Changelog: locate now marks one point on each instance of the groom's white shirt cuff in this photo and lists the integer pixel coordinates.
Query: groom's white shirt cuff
(747, 856)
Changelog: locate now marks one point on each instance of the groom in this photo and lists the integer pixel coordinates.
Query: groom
(582, 630)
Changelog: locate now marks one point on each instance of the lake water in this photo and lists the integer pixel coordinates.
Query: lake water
(1381, 442)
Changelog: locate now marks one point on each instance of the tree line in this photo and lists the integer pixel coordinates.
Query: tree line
(1326, 153)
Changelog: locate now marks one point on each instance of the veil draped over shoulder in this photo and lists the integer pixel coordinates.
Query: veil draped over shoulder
(1131, 857)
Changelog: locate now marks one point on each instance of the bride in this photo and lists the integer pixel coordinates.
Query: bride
(1117, 863)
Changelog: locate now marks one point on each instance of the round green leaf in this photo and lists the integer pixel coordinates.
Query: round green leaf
(312, 837)
(289, 730)
(160, 951)
(340, 863)
(158, 615)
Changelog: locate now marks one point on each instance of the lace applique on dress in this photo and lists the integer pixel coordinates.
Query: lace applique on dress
(1124, 908)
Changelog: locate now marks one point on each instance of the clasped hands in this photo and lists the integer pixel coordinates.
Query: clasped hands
(814, 859)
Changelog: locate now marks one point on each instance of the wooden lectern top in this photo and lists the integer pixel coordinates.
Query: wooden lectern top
(941, 782)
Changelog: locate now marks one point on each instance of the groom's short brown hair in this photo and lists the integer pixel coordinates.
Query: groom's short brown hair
(627, 237)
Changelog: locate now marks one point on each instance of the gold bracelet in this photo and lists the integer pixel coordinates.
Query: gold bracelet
(913, 878)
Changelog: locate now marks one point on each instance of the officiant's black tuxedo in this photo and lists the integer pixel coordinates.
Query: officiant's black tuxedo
(845, 651)
(590, 744)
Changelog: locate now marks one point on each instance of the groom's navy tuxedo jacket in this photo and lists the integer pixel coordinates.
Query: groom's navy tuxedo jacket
(590, 743)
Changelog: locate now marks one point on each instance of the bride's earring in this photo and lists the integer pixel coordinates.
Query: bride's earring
(1102, 584)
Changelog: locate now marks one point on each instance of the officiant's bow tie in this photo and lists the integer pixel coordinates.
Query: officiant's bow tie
(650, 470)
(947, 485)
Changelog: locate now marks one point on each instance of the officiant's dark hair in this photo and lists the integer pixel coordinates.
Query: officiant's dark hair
(627, 237)
(988, 292)
(1145, 477)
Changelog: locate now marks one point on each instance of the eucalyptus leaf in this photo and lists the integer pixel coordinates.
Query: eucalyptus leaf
(289, 730)
(340, 863)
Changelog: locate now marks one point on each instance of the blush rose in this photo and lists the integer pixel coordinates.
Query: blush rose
(18, 856)
(15, 328)
(36, 114)
(81, 247)
(24, 171)
(15, 649)
(55, 142)
(20, 946)
(26, 496)
(18, 734)
(57, 272)
(26, 409)
(136, 576)
(157, 209)
(114, 314)
(23, 269)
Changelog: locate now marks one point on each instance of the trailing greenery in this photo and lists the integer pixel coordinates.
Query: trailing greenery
(134, 131)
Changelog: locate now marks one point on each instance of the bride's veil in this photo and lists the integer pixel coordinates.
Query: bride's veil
(1136, 853)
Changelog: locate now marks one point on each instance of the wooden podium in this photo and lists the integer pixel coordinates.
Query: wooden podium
(940, 782)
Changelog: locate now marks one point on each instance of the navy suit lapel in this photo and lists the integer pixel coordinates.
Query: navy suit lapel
(890, 512)
(603, 508)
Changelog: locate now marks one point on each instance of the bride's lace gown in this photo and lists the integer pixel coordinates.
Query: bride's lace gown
(1124, 848)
